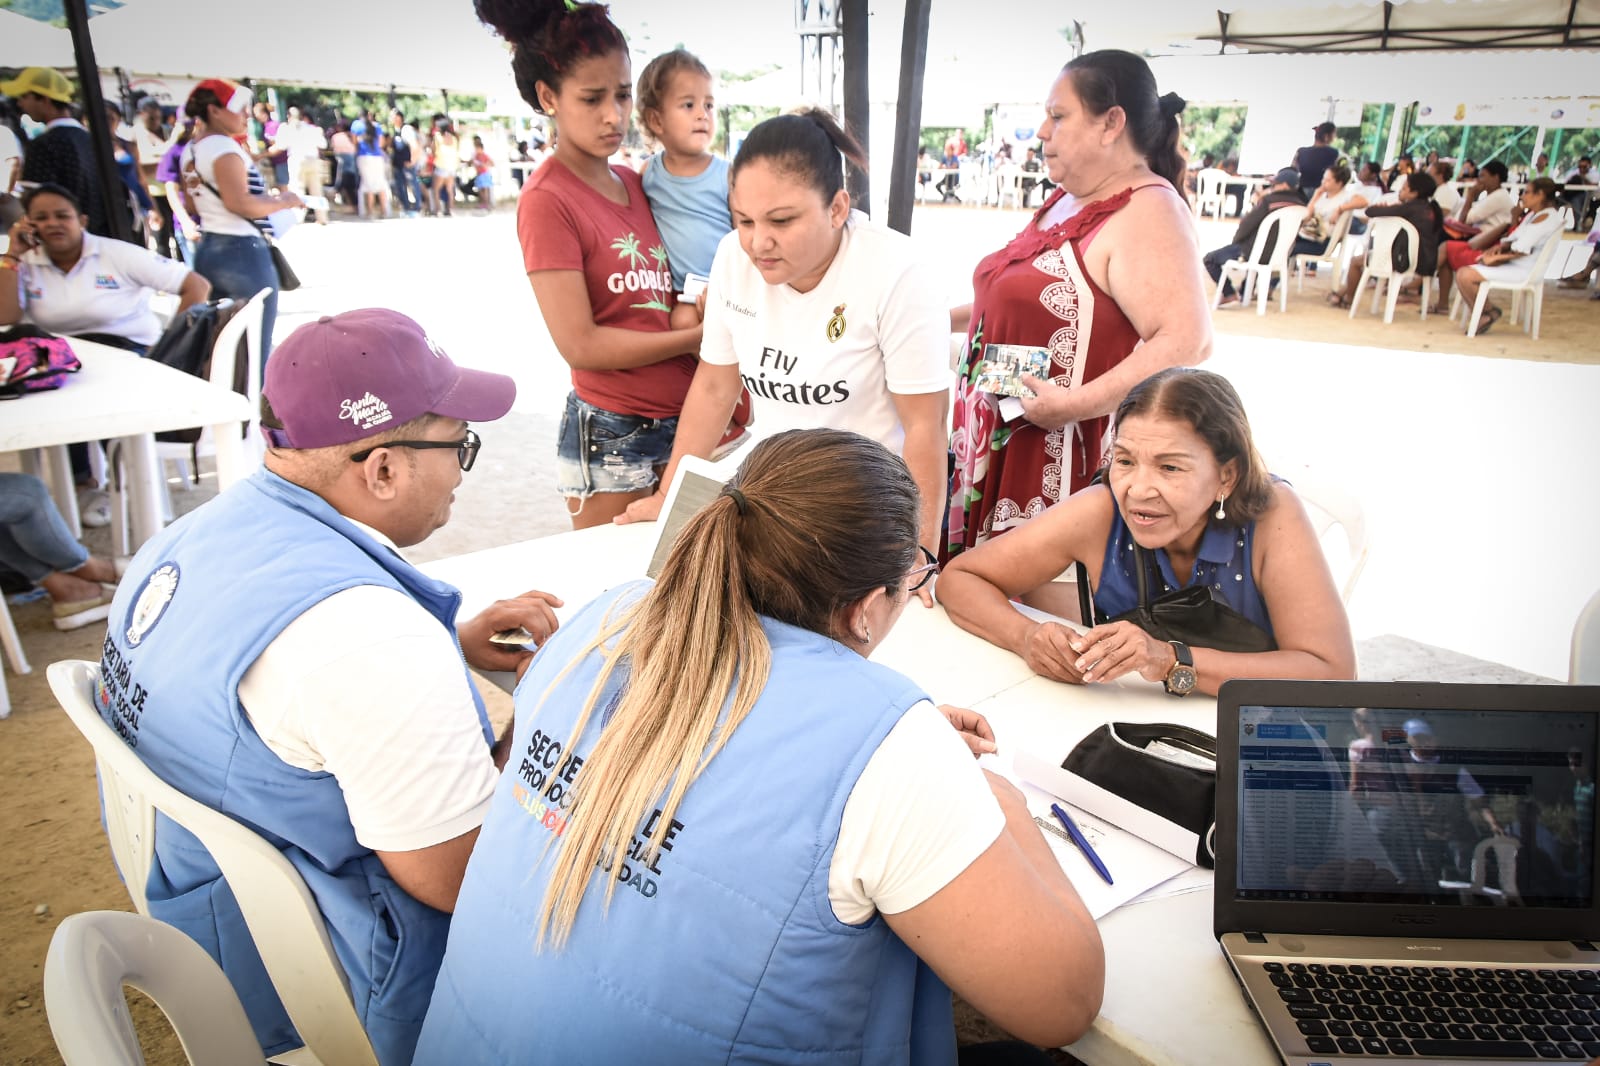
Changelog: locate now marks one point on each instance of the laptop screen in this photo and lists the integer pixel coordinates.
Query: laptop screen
(1454, 808)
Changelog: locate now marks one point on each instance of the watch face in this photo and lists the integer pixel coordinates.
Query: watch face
(1181, 681)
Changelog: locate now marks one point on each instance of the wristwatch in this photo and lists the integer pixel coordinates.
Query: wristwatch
(1180, 680)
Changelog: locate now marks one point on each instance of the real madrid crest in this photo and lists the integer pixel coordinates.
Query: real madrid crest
(151, 603)
(836, 324)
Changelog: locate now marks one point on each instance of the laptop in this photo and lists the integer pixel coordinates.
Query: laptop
(1408, 870)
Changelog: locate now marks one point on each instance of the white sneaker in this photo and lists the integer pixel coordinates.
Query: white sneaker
(94, 509)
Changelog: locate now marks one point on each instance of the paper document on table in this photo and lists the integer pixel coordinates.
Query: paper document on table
(1135, 865)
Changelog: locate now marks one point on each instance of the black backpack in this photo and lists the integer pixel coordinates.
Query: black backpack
(187, 344)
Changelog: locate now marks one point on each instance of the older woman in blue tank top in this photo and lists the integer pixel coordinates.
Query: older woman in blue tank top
(1187, 499)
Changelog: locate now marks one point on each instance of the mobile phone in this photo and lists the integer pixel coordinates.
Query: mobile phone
(693, 286)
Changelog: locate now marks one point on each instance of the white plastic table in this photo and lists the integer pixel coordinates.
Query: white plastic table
(119, 395)
(1170, 996)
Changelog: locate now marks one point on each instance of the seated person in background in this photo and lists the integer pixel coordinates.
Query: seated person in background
(682, 715)
(335, 714)
(1417, 207)
(1485, 205)
(1444, 193)
(1580, 279)
(37, 547)
(1032, 166)
(1402, 166)
(1336, 195)
(1469, 170)
(1187, 497)
(1512, 259)
(1583, 175)
(73, 282)
(1285, 192)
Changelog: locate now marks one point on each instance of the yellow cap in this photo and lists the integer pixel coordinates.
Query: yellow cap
(42, 80)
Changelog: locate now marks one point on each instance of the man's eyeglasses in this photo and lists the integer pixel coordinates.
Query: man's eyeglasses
(924, 573)
(466, 449)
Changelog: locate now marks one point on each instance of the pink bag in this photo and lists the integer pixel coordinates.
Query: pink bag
(32, 360)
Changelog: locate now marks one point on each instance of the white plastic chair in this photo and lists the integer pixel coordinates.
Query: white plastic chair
(1328, 504)
(92, 955)
(1531, 287)
(12, 643)
(280, 911)
(246, 324)
(1256, 272)
(1585, 666)
(1505, 859)
(1378, 266)
(1336, 254)
(1209, 186)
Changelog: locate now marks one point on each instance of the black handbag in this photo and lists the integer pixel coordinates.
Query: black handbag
(288, 280)
(1169, 771)
(1192, 615)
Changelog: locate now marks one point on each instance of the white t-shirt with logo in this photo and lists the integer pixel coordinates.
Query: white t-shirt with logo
(875, 325)
(106, 291)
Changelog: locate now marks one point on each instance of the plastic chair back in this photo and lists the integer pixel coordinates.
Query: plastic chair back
(92, 955)
(280, 911)
(1585, 666)
(1329, 505)
(1209, 196)
(245, 326)
(1380, 258)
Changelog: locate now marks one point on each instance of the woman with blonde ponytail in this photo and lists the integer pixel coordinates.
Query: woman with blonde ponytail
(725, 835)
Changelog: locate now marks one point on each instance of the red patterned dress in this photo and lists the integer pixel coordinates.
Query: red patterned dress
(1036, 292)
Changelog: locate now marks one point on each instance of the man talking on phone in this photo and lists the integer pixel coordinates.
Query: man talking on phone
(275, 657)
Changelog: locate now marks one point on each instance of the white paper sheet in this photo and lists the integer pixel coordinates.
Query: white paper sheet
(1135, 865)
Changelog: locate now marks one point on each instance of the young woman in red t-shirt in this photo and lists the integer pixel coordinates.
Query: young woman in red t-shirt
(596, 261)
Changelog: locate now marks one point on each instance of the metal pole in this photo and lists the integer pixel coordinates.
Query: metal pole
(112, 194)
(857, 109)
(908, 116)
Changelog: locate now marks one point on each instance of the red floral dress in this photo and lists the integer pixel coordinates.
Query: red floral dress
(1034, 292)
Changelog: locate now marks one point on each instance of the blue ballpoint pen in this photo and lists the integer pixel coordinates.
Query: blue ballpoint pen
(1081, 841)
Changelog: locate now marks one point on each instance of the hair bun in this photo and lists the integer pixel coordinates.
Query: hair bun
(518, 20)
(1172, 104)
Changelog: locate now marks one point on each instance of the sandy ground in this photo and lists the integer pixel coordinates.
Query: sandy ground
(1448, 441)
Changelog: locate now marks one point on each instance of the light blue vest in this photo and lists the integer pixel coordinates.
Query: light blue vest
(197, 607)
(726, 949)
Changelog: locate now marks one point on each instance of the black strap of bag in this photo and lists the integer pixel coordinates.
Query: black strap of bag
(288, 280)
(1192, 614)
(187, 345)
(1168, 770)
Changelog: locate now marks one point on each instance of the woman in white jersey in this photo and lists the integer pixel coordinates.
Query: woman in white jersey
(829, 319)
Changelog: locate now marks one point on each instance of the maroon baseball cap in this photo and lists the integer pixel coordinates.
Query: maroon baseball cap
(346, 377)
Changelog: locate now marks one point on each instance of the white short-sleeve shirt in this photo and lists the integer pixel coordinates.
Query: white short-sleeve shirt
(919, 814)
(874, 326)
(200, 159)
(368, 686)
(1491, 209)
(106, 291)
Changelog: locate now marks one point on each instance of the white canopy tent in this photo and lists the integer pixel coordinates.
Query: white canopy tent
(311, 42)
(26, 42)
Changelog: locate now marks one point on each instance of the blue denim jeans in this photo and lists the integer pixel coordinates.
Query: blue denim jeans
(240, 267)
(34, 539)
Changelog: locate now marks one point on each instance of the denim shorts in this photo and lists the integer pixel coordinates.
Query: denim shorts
(600, 451)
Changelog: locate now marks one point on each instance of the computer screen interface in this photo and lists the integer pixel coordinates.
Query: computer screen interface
(1375, 805)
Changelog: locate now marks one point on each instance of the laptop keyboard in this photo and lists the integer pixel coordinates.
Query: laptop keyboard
(1461, 1012)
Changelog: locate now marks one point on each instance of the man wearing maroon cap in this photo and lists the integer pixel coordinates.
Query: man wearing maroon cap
(273, 656)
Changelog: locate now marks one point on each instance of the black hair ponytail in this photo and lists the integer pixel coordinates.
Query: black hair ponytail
(807, 144)
(547, 37)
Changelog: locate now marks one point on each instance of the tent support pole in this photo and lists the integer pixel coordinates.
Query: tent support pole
(857, 109)
(112, 194)
(908, 115)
